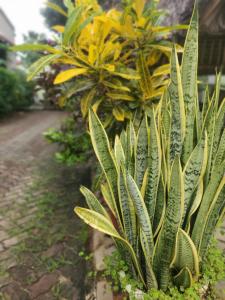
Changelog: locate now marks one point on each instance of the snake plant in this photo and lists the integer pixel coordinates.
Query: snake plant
(164, 183)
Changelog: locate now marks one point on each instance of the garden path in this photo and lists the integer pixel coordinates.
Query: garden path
(40, 238)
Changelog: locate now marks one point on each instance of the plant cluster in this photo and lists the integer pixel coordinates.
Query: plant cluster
(120, 58)
(164, 183)
(213, 269)
(15, 92)
(74, 144)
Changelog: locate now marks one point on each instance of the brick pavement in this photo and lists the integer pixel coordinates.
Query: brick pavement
(23, 154)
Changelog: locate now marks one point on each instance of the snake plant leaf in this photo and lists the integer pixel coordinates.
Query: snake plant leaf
(177, 109)
(186, 254)
(213, 216)
(183, 278)
(119, 153)
(189, 82)
(220, 154)
(92, 202)
(194, 171)
(206, 101)
(38, 66)
(127, 210)
(130, 147)
(209, 194)
(154, 168)
(160, 208)
(151, 279)
(108, 198)
(141, 157)
(166, 242)
(219, 127)
(102, 150)
(101, 223)
(211, 136)
(195, 205)
(141, 211)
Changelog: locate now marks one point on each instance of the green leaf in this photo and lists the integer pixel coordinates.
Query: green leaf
(186, 254)
(141, 157)
(34, 47)
(177, 109)
(209, 194)
(194, 171)
(165, 245)
(92, 202)
(127, 210)
(154, 169)
(104, 225)
(183, 279)
(72, 25)
(40, 64)
(189, 82)
(141, 211)
(56, 8)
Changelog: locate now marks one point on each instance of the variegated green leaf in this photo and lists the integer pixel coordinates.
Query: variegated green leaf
(183, 279)
(189, 83)
(194, 171)
(186, 254)
(104, 225)
(209, 194)
(213, 216)
(177, 109)
(165, 246)
(154, 168)
(141, 157)
(141, 211)
(127, 210)
(40, 64)
(160, 208)
(92, 202)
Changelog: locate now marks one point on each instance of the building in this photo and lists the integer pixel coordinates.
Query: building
(7, 38)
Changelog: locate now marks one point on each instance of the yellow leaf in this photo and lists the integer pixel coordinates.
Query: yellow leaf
(86, 102)
(96, 105)
(162, 70)
(139, 7)
(58, 28)
(92, 54)
(110, 68)
(120, 97)
(68, 74)
(118, 114)
(62, 101)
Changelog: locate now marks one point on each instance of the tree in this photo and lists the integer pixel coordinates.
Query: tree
(52, 17)
(32, 37)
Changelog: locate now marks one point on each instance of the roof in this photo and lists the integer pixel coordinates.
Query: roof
(7, 19)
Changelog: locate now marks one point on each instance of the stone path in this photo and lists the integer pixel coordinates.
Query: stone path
(40, 238)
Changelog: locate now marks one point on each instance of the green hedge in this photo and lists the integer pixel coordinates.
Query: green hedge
(15, 92)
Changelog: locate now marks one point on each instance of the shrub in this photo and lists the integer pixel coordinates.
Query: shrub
(119, 58)
(75, 145)
(15, 92)
(164, 184)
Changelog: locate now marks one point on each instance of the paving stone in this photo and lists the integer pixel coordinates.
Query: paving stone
(3, 235)
(13, 291)
(43, 285)
(4, 255)
(54, 250)
(1, 249)
(103, 291)
(11, 242)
